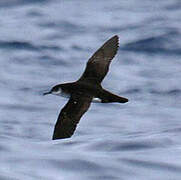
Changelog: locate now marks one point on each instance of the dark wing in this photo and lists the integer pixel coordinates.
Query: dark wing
(70, 116)
(98, 65)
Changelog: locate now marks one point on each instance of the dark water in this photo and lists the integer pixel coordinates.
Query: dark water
(43, 43)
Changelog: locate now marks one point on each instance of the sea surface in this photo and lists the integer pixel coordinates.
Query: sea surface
(44, 42)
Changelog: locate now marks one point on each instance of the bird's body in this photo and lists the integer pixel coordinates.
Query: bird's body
(83, 87)
(85, 90)
(79, 87)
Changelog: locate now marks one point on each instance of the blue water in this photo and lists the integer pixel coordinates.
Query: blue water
(45, 42)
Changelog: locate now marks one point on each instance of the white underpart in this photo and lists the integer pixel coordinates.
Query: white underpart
(96, 100)
(60, 93)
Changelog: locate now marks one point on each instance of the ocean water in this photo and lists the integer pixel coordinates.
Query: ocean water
(45, 42)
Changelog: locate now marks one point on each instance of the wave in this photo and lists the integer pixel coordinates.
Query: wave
(172, 92)
(164, 44)
(20, 45)
(10, 3)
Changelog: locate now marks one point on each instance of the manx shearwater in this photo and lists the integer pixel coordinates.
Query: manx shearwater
(84, 90)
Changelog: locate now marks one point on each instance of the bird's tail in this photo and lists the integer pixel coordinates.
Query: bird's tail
(108, 97)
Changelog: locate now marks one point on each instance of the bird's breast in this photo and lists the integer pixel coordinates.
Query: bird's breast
(63, 94)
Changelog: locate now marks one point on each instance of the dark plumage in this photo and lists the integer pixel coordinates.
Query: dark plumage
(83, 91)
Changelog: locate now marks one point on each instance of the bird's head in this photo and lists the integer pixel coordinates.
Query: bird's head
(56, 90)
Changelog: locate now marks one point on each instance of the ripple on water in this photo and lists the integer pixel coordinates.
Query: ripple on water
(11, 3)
(164, 44)
(153, 165)
(20, 45)
(135, 144)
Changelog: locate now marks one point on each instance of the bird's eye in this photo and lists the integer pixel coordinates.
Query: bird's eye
(56, 89)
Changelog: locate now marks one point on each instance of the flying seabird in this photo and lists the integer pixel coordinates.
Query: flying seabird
(84, 90)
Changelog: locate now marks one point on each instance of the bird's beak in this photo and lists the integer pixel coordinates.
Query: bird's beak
(47, 93)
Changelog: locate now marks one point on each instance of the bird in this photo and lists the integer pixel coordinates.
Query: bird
(85, 90)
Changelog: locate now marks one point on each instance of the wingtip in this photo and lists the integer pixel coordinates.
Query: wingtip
(116, 38)
(112, 45)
